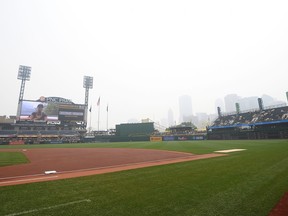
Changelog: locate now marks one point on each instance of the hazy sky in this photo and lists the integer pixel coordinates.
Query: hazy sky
(143, 55)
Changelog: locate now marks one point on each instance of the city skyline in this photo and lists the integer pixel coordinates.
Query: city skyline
(185, 114)
(143, 55)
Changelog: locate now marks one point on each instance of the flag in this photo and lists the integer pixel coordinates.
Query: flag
(90, 109)
(98, 103)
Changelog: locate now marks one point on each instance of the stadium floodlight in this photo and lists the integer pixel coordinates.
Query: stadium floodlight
(88, 82)
(24, 72)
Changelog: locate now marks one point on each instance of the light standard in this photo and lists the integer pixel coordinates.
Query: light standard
(87, 84)
(24, 74)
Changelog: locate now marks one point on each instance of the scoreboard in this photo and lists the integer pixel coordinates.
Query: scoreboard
(69, 112)
(56, 109)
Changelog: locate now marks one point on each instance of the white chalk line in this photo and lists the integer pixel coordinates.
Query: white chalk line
(23, 176)
(27, 180)
(48, 208)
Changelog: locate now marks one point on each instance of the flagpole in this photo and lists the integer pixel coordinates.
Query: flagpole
(90, 119)
(98, 117)
(98, 104)
(107, 118)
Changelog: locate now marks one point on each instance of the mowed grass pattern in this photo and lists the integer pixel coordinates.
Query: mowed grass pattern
(12, 158)
(244, 183)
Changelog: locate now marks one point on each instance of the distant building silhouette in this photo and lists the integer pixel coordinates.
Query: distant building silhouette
(230, 101)
(248, 103)
(219, 103)
(171, 121)
(185, 108)
(270, 101)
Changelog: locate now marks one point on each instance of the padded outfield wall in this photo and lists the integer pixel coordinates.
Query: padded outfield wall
(177, 138)
(135, 129)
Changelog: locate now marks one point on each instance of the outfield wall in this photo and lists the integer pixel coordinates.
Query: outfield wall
(177, 137)
(107, 138)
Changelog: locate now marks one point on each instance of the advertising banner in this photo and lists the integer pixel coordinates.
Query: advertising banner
(168, 138)
(155, 138)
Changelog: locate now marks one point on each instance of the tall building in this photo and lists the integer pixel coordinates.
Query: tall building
(202, 120)
(267, 100)
(219, 103)
(230, 101)
(185, 108)
(248, 103)
(171, 121)
(270, 101)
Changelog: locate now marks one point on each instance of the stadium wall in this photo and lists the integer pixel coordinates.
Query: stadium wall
(265, 131)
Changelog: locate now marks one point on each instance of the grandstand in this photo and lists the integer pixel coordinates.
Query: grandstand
(46, 119)
(63, 121)
(265, 123)
(39, 136)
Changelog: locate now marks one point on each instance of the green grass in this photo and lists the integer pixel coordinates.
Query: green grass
(247, 183)
(12, 158)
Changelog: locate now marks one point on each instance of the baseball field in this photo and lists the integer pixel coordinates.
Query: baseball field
(249, 182)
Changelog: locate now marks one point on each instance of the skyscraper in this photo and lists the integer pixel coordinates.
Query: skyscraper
(219, 103)
(230, 101)
(247, 103)
(170, 118)
(185, 108)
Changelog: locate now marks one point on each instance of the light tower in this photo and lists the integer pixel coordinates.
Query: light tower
(24, 74)
(87, 84)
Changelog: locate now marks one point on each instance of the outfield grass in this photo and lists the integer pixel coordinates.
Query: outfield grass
(246, 183)
(12, 158)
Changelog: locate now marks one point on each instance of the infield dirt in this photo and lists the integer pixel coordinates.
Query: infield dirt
(76, 162)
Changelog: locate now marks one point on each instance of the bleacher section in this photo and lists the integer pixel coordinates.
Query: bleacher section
(8, 133)
(44, 136)
(250, 118)
(258, 124)
(28, 134)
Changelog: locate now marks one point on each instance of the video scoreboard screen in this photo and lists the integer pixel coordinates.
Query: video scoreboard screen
(51, 110)
(71, 112)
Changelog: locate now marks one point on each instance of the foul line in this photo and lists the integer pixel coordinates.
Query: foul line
(31, 179)
(23, 176)
(50, 207)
